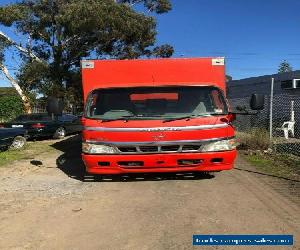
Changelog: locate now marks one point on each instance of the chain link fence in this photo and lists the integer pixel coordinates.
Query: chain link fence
(42, 109)
(38, 109)
(285, 122)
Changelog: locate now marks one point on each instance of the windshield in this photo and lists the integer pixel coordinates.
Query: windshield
(153, 102)
(33, 117)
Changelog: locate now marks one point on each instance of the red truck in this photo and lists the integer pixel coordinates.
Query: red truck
(157, 115)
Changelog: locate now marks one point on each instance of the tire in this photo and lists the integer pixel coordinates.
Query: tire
(18, 142)
(60, 133)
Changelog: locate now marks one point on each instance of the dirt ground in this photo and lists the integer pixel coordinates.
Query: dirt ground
(49, 202)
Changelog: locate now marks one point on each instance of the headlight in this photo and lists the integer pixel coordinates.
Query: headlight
(223, 145)
(90, 148)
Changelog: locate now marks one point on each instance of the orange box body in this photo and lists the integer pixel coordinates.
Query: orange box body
(106, 74)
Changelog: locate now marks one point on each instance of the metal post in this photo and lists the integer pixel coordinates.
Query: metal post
(292, 111)
(271, 109)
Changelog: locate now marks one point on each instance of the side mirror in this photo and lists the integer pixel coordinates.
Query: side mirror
(257, 102)
(55, 106)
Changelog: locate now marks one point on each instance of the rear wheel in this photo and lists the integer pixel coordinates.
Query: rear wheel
(60, 133)
(18, 142)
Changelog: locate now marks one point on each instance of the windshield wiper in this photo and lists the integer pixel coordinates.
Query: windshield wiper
(180, 118)
(191, 116)
(124, 117)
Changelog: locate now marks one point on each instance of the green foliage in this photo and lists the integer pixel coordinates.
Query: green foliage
(228, 78)
(255, 139)
(3, 46)
(63, 32)
(10, 107)
(11, 13)
(159, 6)
(33, 75)
(284, 67)
(7, 91)
(163, 51)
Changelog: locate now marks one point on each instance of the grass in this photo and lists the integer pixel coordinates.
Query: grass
(282, 165)
(255, 138)
(28, 152)
(256, 142)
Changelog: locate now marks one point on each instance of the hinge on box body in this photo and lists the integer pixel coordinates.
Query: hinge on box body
(87, 64)
(218, 61)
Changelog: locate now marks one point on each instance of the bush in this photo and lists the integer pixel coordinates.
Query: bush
(255, 139)
(10, 107)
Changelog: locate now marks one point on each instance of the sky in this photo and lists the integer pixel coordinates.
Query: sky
(253, 35)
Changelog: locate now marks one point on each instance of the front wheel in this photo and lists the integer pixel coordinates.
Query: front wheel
(18, 142)
(60, 133)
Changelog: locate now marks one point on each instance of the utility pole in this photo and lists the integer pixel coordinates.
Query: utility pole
(271, 109)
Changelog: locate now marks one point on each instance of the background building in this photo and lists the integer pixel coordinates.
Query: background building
(286, 90)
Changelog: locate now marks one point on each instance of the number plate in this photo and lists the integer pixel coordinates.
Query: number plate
(17, 126)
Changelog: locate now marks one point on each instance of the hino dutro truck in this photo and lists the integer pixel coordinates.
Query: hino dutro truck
(157, 115)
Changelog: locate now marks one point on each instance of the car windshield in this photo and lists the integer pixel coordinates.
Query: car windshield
(66, 118)
(33, 117)
(154, 102)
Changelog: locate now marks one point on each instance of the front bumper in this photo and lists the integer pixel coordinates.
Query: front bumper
(173, 162)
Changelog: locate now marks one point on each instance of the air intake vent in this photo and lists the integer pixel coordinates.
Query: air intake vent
(171, 148)
(127, 149)
(190, 147)
(149, 148)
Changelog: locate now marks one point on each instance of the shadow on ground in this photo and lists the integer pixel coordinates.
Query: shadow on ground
(71, 164)
(266, 174)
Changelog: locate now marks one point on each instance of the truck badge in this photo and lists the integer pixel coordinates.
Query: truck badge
(158, 137)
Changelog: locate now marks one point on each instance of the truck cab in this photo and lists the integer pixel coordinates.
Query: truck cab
(156, 115)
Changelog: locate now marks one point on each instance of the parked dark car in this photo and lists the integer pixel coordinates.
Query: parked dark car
(43, 125)
(14, 138)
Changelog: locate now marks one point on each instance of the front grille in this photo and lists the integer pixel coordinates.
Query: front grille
(190, 147)
(147, 149)
(152, 149)
(172, 148)
(127, 149)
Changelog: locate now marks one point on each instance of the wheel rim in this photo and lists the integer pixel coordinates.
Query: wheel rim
(61, 132)
(18, 143)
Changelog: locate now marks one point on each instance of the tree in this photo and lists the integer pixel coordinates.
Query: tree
(4, 43)
(159, 6)
(228, 78)
(284, 67)
(164, 51)
(62, 32)
(10, 104)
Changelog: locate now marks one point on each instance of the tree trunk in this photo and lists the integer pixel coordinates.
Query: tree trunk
(14, 83)
(20, 48)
